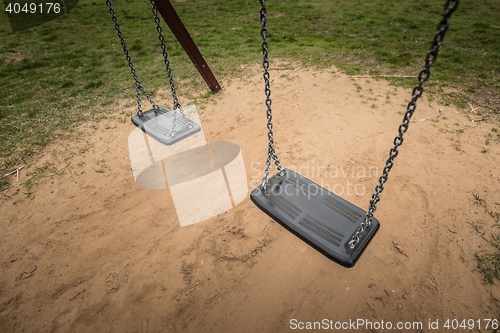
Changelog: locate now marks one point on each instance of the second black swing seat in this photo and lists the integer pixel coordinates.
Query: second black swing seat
(158, 125)
(330, 224)
(319, 217)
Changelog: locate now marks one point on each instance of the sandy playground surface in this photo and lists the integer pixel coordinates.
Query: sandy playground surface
(90, 251)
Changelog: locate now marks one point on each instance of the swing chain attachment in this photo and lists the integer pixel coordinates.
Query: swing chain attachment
(177, 105)
(271, 153)
(423, 76)
(138, 86)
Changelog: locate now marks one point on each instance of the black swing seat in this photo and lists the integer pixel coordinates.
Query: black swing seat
(320, 218)
(158, 125)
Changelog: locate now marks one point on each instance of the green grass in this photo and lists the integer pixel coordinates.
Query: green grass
(489, 263)
(66, 71)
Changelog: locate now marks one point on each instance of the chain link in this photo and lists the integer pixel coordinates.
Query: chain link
(177, 105)
(423, 76)
(271, 153)
(138, 86)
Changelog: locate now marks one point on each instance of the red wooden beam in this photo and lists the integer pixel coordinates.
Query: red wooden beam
(179, 30)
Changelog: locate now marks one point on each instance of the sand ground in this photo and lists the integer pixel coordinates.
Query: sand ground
(90, 251)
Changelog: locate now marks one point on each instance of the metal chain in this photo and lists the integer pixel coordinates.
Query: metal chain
(138, 85)
(423, 76)
(271, 153)
(177, 105)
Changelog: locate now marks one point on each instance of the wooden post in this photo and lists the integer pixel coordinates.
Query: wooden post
(179, 30)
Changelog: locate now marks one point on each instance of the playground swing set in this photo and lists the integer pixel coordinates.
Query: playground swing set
(333, 226)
